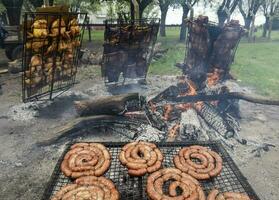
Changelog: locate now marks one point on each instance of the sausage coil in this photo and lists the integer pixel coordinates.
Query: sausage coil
(141, 158)
(188, 186)
(209, 165)
(86, 159)
(216, 195)
(88, 188)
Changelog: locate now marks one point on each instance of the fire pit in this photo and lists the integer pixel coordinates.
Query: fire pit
(231, 179)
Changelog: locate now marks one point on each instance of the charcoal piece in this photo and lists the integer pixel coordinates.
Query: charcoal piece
(133, 105)
(170, 92)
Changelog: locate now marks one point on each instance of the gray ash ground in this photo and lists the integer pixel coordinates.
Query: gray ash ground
(26, 167)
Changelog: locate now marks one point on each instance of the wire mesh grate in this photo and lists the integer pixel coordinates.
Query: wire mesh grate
(51, 53)
(133, 188)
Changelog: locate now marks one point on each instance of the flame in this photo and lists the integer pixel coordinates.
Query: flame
(167, 112)
(191, 91)
(192, 87)
(214, 77)
(173, 131)
(183, 106)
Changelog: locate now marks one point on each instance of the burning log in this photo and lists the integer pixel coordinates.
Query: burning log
(154, 117)
(191, 128)
(220, 97)
(112, 105)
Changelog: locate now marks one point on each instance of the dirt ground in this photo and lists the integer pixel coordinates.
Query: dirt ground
(26, 167)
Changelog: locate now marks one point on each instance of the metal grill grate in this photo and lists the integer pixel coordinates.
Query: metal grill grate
(133, 188)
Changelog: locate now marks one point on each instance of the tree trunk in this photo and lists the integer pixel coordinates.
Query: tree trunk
(265, 26)
(252, 30)
(132, 10)
(184, 24)
(269, 29)
(248, 21)
(13, 11)
(221, 18)
(3, 17)
(164, 12)
(141, 12)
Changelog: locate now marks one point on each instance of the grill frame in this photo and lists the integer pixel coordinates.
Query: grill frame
(132, 188)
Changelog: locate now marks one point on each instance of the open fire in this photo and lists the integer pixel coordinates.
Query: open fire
(200, 107)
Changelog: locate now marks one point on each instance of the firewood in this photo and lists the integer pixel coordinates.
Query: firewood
(84, 125)
(112, 105)
(230, 95)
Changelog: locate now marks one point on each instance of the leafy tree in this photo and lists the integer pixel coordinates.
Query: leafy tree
(164, 7)
(225, 9)
(186, 5)
(151, 11)
(13, 10)
(270, 8)
(142, 6)
(248, 10)
(3, 16)
(116, 8)
(81, 5)
(39, 3)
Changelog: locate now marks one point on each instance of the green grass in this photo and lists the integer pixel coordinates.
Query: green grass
(176, 53)
(256, 64)
(97, 37)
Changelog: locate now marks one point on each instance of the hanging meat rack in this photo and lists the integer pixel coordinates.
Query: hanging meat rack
(52, 42)
(128, 48)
